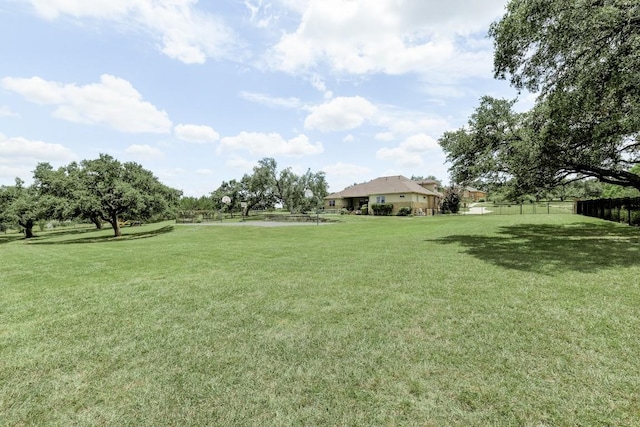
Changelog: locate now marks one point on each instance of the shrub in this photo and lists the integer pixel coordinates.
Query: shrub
(404, 211)
(382, 208)
(344, 211)
(364, 209)
(451, 201)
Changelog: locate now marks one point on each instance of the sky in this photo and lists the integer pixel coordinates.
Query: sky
(198, 91)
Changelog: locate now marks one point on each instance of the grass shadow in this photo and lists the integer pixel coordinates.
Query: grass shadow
(98, 236)
(544, 248)
(7, 238)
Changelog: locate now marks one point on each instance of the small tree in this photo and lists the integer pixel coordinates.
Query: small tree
(451, 200)
(21, 205)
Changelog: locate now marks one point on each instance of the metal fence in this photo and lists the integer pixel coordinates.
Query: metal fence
(626, 209)
(542, 207)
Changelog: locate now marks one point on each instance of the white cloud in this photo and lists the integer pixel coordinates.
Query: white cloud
(409, 153)
(184, 32)
(420, 143)
(349, 139)
(19, 156)
(271, 144)
(112, 102)
(346, 170)
(385, 136)
(195, 133)
(204, 172)
(408, 122)
(440, 39)
(270, 101)
(261, 14)
(144, 151)
(342, 113)
(24, 149)
(340, 175)
(6, 112)
(240, 163)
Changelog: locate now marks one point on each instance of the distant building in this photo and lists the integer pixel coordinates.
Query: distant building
(421, 197)
(473, 194)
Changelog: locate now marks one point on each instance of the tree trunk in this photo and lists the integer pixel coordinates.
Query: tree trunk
(116, 226)
(28, 228)
(97, 221)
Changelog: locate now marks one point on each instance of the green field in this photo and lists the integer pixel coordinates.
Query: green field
(463, 320)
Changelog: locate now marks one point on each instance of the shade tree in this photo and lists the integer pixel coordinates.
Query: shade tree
(113, 190)
(21, 205)
(580, 57)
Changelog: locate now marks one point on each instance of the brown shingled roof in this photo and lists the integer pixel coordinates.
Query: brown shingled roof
(383, 185)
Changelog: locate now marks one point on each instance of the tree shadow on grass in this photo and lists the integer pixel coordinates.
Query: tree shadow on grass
(6, 238)
(48, 234)
(544, 248)
(98, 236)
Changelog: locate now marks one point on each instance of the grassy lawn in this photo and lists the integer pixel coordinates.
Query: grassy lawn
(465, 320)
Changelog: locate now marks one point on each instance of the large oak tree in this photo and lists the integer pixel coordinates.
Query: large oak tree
(113, 190)
(583, 59)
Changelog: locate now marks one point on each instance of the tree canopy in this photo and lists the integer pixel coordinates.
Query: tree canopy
(267, 186)
(98, 190)
(111, 190)
(581, 58)
(21, 205)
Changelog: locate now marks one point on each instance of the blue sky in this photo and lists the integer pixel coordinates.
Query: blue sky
(199, 91)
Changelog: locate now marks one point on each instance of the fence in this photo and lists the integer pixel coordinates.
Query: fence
(542, 207)
(625, 210)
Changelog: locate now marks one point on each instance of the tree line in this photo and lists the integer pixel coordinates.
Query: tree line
(265, 188)
(105, 190)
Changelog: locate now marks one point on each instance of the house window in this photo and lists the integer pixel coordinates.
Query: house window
(332, 203)
(379, 199)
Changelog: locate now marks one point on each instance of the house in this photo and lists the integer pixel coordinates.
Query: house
(419, 196)
(473, 194)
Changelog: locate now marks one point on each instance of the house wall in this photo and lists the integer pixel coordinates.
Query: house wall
(339, 204)
(414, 201)
(474, 195)
(428, 204)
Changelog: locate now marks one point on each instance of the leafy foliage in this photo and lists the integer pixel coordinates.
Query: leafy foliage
(21, 206)
(382, 208)
(451, 200)
(111, 190)
(102, 189)
(267, 186)
(581, 57)
(404, 211)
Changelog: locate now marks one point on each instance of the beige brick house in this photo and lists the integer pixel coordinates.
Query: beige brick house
(473, 194)
(421, 197)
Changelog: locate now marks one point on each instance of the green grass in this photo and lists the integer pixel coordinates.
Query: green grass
(465, 320)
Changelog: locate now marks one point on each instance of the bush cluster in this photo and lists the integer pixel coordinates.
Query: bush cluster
(404, 211)
(382, 208)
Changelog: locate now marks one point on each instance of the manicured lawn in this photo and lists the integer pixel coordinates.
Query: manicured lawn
(465, 320)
